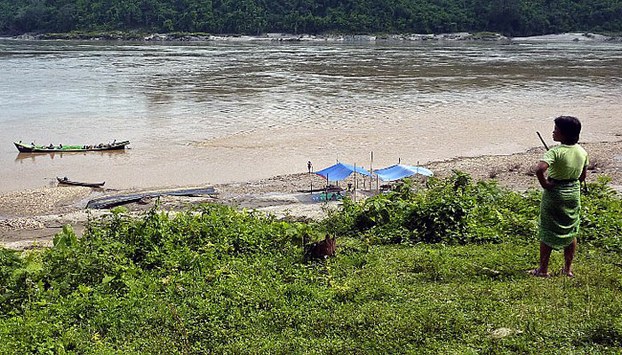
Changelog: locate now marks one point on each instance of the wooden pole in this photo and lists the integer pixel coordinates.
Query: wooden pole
(542, 140)
(371, 170)
(354, 189)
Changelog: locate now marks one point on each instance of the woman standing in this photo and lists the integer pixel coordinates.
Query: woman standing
(560, 173)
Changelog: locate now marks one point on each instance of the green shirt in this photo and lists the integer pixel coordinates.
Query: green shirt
(566, 162)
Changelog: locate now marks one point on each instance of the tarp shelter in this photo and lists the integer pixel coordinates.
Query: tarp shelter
(340, 171)
(400, 171)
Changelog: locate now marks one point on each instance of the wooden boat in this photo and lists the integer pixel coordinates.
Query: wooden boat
(117, 200)
(66, 181)
(31, 148)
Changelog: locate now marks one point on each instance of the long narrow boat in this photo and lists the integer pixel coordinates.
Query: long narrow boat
(31, 148)
(66, 181)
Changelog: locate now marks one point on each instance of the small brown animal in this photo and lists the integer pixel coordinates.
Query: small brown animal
(322, 249)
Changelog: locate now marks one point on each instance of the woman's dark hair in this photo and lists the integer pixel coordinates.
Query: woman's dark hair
(570, 127)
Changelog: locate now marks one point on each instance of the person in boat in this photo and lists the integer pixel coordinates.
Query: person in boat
(60, 146)
(560, 173)
(51, 146)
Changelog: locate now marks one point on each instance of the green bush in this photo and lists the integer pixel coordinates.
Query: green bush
(12, 274)
(440, 213)
(601, 224)
(454, 210)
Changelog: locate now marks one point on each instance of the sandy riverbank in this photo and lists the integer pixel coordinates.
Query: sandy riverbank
(32, 217)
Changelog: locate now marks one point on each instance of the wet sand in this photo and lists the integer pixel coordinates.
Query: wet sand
(31, 218)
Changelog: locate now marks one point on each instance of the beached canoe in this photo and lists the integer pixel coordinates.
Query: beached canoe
(66, 181)
(31, 148)
(117, 200)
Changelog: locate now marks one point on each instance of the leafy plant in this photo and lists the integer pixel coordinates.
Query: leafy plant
(601, 224)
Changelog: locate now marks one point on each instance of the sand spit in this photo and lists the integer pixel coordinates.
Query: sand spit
(31, 218)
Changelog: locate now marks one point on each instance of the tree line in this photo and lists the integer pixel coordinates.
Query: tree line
(509, 17)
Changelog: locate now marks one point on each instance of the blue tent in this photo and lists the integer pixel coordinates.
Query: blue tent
(340, 171)
(399, 171)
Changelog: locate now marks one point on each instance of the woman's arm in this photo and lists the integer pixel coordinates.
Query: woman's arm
(541, 168)
(583, 174)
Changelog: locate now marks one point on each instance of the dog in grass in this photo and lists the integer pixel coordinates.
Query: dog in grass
(322, 249)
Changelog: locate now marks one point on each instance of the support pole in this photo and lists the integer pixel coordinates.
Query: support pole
(354, 189)
(371, 171)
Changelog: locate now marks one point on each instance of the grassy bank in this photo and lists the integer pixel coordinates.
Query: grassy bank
(405, 279)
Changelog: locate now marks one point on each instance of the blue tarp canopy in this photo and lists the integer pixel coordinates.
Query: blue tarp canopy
(399, 171)
(340, 171)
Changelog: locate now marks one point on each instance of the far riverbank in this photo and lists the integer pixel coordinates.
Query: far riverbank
(286, 37)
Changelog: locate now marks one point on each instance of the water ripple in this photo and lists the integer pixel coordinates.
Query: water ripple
(297, 98)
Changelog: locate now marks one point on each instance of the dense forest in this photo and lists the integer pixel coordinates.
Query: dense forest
(509, 17)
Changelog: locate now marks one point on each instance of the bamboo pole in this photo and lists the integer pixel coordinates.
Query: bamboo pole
(371, 171)
(354, 189)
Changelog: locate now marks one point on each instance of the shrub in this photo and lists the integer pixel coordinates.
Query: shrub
(601, 224)
(454, 210)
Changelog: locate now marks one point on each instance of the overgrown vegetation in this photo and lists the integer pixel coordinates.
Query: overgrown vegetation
(520, 17)
(459, 211)
(437, 268)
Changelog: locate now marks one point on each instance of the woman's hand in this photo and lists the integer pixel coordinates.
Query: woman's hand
(583, 174)
(541, 168)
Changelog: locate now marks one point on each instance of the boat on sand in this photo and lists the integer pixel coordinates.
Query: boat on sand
(32, 148)
(66, 181)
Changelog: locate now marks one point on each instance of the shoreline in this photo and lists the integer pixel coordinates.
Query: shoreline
(288, 37)
(30, 218)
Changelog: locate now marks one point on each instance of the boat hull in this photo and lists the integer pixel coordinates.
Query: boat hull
(26, 148)
(66, 181)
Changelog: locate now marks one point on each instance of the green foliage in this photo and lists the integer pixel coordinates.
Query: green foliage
(458, 211)
(440, 214)
(10, 262)
(521, 17)
(451, 211)
(601, 224)
(217, 280)
(20, 281)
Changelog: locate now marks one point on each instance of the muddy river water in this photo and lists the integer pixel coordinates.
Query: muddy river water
(223, 111)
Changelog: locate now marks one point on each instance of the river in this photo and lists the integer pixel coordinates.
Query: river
(225, 111)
